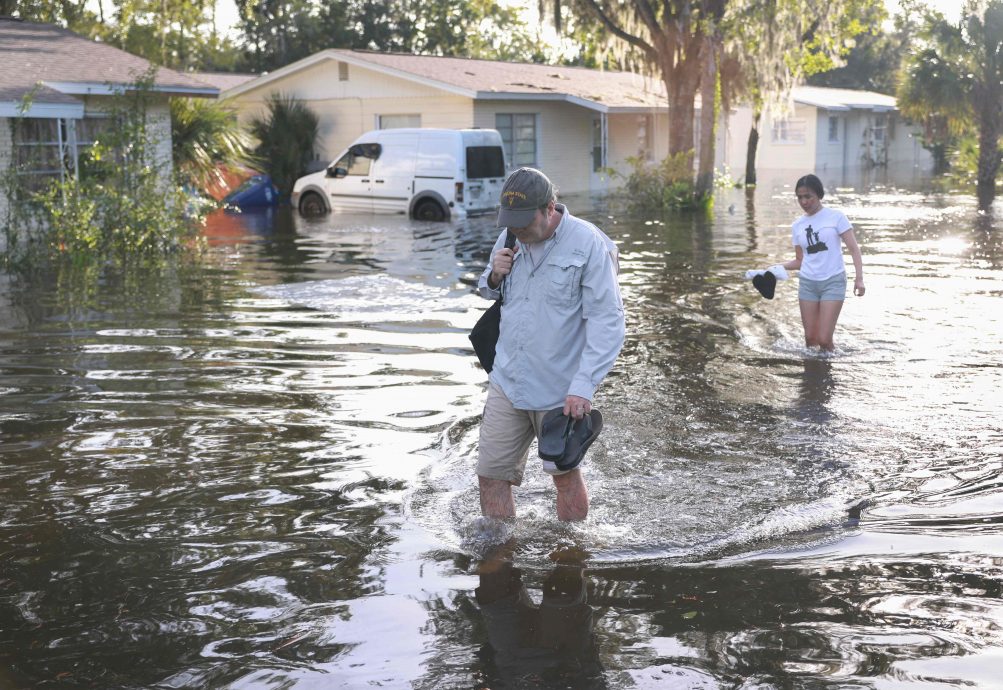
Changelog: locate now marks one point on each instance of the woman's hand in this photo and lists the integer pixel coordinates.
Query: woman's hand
(858, 287)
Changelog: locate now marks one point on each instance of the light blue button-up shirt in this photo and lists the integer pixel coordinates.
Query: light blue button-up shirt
(562, 322)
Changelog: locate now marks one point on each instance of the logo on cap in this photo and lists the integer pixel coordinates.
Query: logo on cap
(512, 195)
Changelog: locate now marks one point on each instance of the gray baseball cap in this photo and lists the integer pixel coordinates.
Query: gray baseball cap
(525, 191)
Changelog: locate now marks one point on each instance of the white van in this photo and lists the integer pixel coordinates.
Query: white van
(429, 174)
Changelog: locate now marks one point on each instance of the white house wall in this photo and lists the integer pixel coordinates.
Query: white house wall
(563, 138)
(733, 143)
(777, 155)
(6, 151)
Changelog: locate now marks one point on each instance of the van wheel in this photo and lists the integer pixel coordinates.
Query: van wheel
(429, 210)
(312, 205)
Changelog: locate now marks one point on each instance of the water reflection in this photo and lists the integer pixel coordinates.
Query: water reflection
(259, 472)
(551, 642)
(815, 392)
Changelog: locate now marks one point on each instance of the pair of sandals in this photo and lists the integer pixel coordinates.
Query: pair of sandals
(563, 440)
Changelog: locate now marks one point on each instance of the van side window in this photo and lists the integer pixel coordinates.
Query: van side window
(359, 159)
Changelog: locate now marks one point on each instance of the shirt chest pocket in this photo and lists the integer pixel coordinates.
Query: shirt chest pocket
(564, 278)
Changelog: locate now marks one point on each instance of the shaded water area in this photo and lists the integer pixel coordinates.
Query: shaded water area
(260, 474)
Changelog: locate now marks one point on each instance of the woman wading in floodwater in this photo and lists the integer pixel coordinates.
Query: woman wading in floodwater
(819, 258)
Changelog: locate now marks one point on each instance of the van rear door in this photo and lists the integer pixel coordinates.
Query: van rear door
(485, 177)
(485, 167)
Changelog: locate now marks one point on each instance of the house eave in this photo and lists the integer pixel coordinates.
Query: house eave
(73, 111)
(105, 89)
(566, 98)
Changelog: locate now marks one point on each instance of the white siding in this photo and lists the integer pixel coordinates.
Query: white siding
(780, 155)
(6, 149)
(563, 138)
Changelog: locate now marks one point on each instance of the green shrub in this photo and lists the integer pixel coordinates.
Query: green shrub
(666, 186)
(204, 135)
(124, 205)
(287, 139)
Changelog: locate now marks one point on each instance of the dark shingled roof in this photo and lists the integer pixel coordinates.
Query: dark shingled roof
(31, 53)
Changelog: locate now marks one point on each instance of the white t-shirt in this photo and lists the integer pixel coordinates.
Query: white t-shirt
(818, 236)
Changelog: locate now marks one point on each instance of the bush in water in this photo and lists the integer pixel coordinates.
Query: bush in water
(120, 204)
(667, 186)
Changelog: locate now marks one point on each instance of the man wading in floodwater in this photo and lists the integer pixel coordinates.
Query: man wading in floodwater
(562, 326)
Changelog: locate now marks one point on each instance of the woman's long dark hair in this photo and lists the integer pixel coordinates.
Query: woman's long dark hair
(813, 183)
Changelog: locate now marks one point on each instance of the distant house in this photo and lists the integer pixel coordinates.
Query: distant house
(572, 122)
(830, 130)
(56, 86)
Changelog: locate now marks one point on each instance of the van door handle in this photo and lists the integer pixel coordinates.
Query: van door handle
(379, 181)
(365, 180)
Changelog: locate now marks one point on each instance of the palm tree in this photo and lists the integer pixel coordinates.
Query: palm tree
(205, 136)
(287, 139)
(955, 82)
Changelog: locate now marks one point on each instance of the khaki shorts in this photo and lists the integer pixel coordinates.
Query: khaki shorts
(506, 434)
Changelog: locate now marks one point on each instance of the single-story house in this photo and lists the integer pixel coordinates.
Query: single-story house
(829, 130)
(56, 85)
(574, 123)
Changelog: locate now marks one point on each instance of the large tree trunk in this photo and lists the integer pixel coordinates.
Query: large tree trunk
(750, 151)
(682, 111)
(708, 111)
(989, 159)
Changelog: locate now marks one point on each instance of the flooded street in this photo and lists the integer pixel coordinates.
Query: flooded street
(260, 473)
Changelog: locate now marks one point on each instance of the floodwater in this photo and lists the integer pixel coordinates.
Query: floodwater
(259, 474)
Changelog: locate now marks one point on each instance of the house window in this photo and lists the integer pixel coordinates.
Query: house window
(878, 130)
(833, 128)
(645, 138)
(518, 133)
(39, 151)
(789, 131)
(342, 71)
(392, 121)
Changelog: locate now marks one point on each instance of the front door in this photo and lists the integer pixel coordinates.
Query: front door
(349, 180)
(599, 179)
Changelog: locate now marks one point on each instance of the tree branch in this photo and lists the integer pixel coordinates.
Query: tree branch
(636, 41)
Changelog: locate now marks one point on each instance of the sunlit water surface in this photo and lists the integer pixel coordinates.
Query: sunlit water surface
(260, 474)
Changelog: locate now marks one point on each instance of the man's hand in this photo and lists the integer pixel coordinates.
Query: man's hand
(576, 407)
(501, 266)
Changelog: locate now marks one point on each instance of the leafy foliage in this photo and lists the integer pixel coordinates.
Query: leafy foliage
(122, 208)
(952, 83)
(279, 32)
(667, 186)
(287, 138)
(204, 135)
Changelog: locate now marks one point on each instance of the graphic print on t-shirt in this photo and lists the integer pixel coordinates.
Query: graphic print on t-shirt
(815, 245)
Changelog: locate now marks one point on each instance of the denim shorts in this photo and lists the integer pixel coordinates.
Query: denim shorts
(829, 290)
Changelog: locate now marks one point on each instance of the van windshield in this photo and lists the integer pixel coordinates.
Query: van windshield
(485, 161)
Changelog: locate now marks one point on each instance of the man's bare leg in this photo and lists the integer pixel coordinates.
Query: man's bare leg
(572, 496)
(496, 498)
